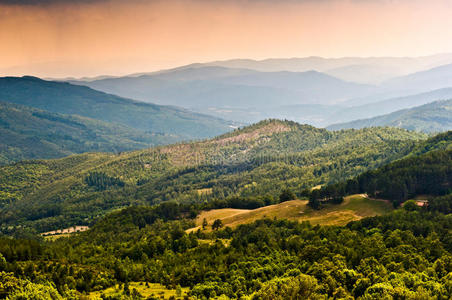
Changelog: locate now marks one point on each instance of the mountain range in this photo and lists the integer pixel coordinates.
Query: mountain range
(210, 86)
(297, 89)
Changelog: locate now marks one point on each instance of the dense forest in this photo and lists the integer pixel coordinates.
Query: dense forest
(259, 160)
(403, 255)
(29, 133)
(427, 171)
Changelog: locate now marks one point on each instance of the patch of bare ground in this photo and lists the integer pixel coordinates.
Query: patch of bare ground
(69, 230)
(267, 130)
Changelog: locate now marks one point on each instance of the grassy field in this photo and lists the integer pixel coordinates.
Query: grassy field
(353, 208)
(153, 289)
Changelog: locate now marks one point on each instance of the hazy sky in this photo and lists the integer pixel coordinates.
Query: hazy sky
(93, 37)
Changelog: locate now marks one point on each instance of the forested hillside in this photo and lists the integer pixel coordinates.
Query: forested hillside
(256, 161)
(57, 97)
(29, 133)
(426, 172)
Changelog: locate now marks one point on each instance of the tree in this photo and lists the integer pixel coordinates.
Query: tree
(410, 205)
(287, 195)
(217, 224)
(204, 224)
(314, 201)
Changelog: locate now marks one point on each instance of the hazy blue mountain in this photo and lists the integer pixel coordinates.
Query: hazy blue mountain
(432, 117)
(65, 98)
(248, 90)
(435, 78)
(324, 115)
(30, 133)
(219, 87)
(370, 70)
(388, 106)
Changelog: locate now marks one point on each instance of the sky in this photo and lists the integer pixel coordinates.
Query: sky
(62, 38)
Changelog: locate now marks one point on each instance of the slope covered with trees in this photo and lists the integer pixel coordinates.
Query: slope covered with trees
(29, 133)
(65, 98)
(259, 160)
(426, 171)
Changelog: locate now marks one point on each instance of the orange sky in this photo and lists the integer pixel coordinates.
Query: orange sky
(97, 37)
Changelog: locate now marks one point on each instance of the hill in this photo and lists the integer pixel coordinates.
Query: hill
(65, 98)
(29, 133)
(261, 159)
(432, 117)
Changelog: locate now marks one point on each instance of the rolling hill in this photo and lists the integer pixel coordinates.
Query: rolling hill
(432, 117)
(65, 98)
(256, 161)
(30, 133)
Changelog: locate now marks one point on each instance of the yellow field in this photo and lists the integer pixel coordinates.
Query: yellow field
(154, 289)
(353, 208)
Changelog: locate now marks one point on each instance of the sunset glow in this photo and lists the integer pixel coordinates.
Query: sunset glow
(88, 38)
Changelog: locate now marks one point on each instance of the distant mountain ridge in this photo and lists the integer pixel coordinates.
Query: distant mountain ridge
(213, 86)
(247, 91)
(431, 117)
(369, 70)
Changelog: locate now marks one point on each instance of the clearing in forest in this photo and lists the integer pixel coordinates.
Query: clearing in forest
(353, 208)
